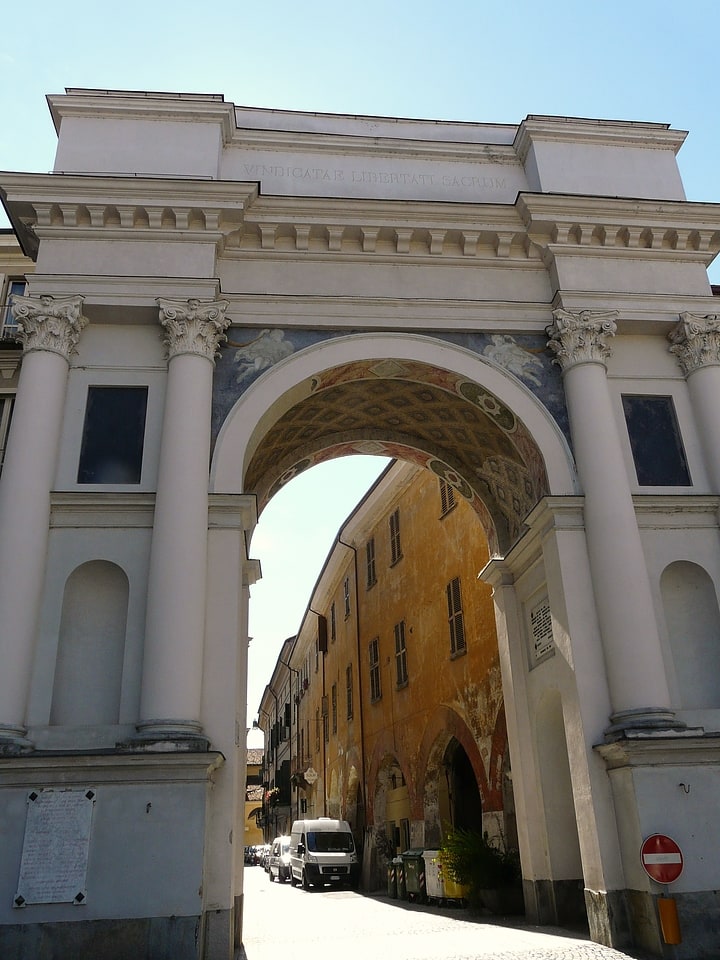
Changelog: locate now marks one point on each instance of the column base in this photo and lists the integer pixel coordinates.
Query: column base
(13, 742)
(645, 722)
(166, 736)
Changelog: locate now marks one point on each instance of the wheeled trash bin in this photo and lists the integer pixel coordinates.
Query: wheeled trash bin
(434, 884)
(415, 875)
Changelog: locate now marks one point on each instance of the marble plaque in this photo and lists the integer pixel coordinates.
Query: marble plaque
(55, 849)
(541, 632)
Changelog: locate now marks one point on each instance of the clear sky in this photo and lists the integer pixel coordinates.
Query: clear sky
(652, 60)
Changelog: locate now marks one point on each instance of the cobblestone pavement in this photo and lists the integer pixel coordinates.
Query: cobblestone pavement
(281, 921)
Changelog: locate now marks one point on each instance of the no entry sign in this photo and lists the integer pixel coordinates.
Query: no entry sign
(662, 858)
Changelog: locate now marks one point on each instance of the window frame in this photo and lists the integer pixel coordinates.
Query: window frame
(395, 541)
(401, 670)
(349, 691)
(456, 619)
(375, 679)
(370, 566)
(448, 501)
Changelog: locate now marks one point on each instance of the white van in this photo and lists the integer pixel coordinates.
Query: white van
(323, 852)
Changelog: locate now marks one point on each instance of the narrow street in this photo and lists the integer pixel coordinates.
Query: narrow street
(282, 921)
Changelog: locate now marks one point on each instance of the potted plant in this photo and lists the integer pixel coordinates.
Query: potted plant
(489, 873)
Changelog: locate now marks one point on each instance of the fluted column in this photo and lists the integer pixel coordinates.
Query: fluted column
(49, 330)
(175, 623)
(633, 658)
(695, 341)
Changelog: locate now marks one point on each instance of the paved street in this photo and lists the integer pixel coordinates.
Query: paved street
(281, 921)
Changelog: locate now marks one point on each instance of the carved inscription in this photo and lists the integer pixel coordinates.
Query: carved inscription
(256, 171)
(541, 630)
(55, 849)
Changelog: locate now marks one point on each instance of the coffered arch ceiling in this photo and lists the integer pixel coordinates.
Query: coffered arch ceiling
(411, 411)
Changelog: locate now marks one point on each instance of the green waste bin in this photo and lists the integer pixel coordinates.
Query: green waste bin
(391, 880)
(400, 878)
(415, 875)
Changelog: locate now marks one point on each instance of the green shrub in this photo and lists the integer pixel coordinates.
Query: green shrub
(471, 858)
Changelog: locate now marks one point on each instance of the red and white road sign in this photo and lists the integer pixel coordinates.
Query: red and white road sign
(662, 858)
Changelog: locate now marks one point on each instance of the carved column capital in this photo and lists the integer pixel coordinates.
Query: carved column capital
(193, 326)
(53, 324)
(581, 337)
(695, 341)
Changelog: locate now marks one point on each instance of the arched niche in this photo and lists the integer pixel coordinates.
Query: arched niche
(91, 646)
(693, 622)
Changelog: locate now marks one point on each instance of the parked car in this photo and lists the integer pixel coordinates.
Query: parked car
(263, 854)
(279, 859)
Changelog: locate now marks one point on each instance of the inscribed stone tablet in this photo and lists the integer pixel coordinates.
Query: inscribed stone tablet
(541, 630)
(55, 848)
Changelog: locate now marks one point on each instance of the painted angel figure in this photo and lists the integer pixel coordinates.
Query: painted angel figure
(267, 349)
(505, 352)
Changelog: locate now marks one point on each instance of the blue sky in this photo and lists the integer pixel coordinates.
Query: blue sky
(472, 60)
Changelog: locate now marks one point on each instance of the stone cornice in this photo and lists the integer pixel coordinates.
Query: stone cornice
(89, 510)
(588, 225)
(183, 107)
(659, 751)
(620, 133)
(35, 769)
(232, 215)
(376, 147)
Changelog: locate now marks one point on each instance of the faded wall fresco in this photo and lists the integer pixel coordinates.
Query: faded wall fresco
(249, 352)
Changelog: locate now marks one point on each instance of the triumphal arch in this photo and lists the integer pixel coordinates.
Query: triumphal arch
(222, 297)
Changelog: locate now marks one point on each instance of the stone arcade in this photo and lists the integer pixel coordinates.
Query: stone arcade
(203, 276)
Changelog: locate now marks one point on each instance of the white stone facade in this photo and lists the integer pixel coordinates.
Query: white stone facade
(243, 280)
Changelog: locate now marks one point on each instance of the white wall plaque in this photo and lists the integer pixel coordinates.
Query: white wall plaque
(541, 632)
(55, 848)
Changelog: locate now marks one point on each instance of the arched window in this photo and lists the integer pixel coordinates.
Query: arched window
(693, 622)
(91, 646)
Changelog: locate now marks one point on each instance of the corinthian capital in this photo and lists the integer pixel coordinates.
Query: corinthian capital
(581, 337)
(48, 323)
(696, 341)
(193, 326)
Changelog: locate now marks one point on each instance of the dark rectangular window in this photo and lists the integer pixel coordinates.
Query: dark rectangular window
(9, 327)
(6, 408)
(333, 702)
(370, 562)
(400, 654)
(346, 596)
(455, 617)
(349, 690)
(655, 440)
(374, 654)
(333, 623)
(113, 435)
(395, 547)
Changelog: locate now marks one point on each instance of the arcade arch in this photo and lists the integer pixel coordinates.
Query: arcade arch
(453, 412)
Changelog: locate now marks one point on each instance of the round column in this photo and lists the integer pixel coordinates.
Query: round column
(175, 620)
(49, 329)
(696, 344)
(633, 658)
